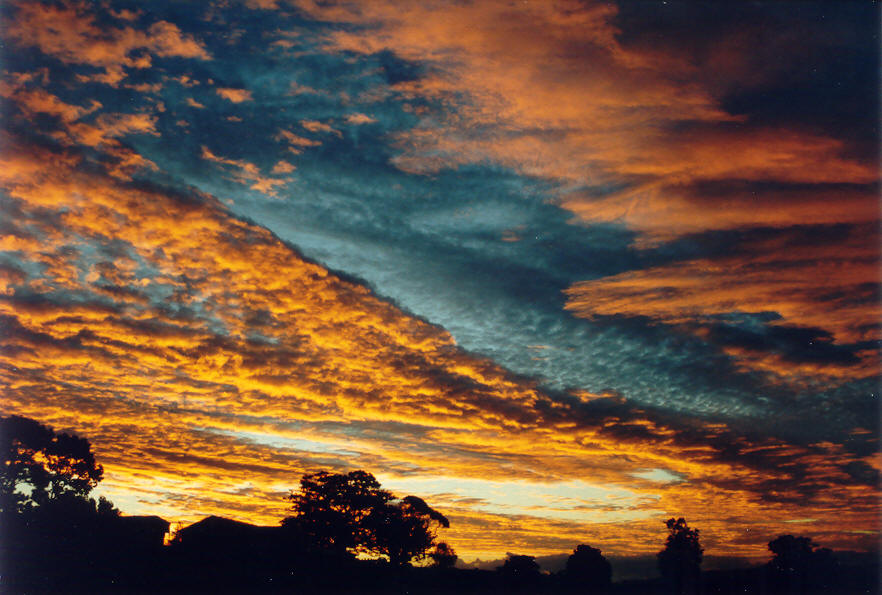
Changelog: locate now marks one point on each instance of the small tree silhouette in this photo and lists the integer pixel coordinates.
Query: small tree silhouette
(443, 556)
(587, 569)
(799, 564)
(519, 573)
(680, 561)
(519, 565)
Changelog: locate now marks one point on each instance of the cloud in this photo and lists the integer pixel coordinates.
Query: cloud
(248, 173)
(234, 95)
(102, 132)
(227, 344)
(39, 101)
(211, 364)
(82, 42)
(296, 143)
(664, 212)
(316, 126)
(283, 167)
(793, 277)
(663, 138)
(360, 119)
(262, 4)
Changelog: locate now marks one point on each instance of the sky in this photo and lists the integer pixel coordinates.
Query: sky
(563, 269)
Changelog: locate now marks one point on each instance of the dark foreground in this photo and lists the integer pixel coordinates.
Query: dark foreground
(126, 555)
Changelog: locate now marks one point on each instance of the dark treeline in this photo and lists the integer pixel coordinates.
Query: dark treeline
(345, 534)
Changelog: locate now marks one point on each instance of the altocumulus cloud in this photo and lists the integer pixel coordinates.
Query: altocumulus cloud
(529, 258)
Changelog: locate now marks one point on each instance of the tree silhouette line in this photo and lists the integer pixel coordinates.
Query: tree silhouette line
(345, 533)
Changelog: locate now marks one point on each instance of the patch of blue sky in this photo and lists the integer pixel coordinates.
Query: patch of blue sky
(659, 475)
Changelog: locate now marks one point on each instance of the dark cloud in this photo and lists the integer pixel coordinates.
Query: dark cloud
(813, 65)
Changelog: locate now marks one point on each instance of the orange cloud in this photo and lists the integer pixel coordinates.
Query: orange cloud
(103, 132)
(549, 90)
(211, 366)
(247, 173)
(283, 167)
(39, 101)
(234, 95)
(360, 119)
(295, 142)
(663, 212)
(635, 133)
(81, 41)
(316, 126)
(813, 285)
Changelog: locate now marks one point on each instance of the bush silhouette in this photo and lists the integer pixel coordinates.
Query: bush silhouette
(443, 556)
(587, 569)
(799, 564)
(519, 572)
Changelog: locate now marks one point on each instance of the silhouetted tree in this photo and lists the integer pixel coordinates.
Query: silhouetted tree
(330, 509)
(54, 537)
(443, 556)
(403, 529)
(587, 569)
(680, 561)
(40, 465)
(105, 508)
(519, 572)
(799, 564)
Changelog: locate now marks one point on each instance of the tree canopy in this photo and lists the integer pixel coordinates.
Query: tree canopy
(346, 513)
(330, 509)
(588, 568)
(41, 465)
(443, 555)
(799, 561)
(404, 529)
(680, 561)
(518, 565)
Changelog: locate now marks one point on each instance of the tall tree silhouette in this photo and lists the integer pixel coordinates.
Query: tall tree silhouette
(404, 529)
(40, 465)
(346, 513)
(680, 561)
(330, 509)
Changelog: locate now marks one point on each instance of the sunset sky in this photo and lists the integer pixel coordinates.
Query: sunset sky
(564, 269)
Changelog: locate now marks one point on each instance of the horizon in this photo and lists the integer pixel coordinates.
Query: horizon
(562, 270)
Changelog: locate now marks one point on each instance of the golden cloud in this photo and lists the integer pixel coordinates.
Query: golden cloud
(69, 33)
(234, 95)
(210, 365)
